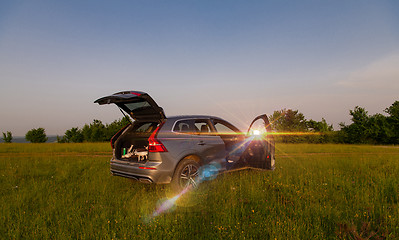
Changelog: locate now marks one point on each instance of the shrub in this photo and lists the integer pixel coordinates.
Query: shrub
(7, 137)
(36, 135)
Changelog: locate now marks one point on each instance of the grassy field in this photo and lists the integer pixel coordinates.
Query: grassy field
(65, 191)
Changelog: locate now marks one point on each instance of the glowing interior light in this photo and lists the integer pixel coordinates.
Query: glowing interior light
(256, 132)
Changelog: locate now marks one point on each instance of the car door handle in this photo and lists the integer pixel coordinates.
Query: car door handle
(201, 143)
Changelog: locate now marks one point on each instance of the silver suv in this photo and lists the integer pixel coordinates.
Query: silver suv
(159, 149)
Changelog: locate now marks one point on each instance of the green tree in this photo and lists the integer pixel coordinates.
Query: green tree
(393, 121)
(98, 132)
(321, 126)
(379, 130)
(7, 137)
(356, 132)
(72, 135)
(288, 121)
(36, 135)
(86, 131)
(375, 129)
(323, 133)
(95, 132)
(115, 126)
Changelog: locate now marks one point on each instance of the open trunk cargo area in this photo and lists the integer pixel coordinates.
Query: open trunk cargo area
(132, 144)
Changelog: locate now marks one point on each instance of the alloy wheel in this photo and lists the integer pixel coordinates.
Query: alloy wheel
(189, 176)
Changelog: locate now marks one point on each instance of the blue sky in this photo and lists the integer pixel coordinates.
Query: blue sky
(233, 59)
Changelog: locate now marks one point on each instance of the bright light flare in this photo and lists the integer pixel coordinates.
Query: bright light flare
(206, 173)
(165, 205)
(256, 132)
(168, 204)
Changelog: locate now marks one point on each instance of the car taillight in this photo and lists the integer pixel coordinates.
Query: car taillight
(154, 145)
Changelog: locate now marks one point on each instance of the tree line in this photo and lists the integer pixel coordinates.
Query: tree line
(93, 132)
(290, 126)
(364, 129)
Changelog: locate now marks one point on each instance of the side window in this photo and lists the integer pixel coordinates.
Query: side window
(202, 126)
(224, 127)
(184, 126)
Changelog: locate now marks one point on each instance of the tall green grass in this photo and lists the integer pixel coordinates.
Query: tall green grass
(35, 148)
(315, 192)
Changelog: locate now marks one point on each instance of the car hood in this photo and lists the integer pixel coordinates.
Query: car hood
(139, 105)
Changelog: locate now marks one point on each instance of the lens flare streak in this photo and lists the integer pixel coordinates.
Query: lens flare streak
(207, 172)
(168, 204)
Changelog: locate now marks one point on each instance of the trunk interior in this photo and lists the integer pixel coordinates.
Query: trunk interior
(132, 144)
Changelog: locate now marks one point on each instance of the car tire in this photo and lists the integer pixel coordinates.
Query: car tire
(185, 175)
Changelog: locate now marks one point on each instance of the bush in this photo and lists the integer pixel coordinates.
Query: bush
(93, 132)
(72, 135)
(7, 137)
(36, 135)
(372, 129)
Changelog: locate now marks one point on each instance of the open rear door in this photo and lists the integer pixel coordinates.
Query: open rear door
(139, 105)
(260, 151)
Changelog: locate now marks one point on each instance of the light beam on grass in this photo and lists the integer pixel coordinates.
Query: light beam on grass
(206, 173)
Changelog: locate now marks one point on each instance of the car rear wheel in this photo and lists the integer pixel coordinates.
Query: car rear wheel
(186, 175)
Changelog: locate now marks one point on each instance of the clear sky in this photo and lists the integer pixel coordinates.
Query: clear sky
(233, 59)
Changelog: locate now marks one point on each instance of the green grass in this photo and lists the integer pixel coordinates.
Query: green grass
(65, 191)
(49, 148)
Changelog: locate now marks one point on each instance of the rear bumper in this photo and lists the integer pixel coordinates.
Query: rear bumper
(149, 172)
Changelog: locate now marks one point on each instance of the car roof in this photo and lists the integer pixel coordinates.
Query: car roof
(193, 117)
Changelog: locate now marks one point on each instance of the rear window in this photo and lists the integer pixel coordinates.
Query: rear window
(137, 105)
